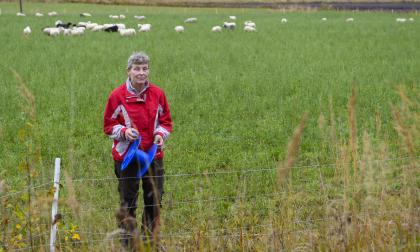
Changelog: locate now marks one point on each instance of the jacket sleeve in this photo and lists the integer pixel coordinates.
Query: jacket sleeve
(164, 121)
(112, 127)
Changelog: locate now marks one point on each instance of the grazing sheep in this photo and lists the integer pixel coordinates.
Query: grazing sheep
(85, 14)
(324, 19)
(114, 16)
(229, 25)
(20, 14)
(67, 25)
(39, 14)
(120, 26)
(140, 17)
(411, 19)
(250, 23)
(349, 19)
(52, 13)
(401, 20)
(67, 32)
(190, 20)
(98, 28)
(144, 27)
(78, 31)
(122, 16)
(90, 26)
(232, 17)
(284, 20)
(27, 30)
(179, 28)
(110, 28)
(51, 31)
(58, 22)
(250, 29)
(216, 29)
(127, 32)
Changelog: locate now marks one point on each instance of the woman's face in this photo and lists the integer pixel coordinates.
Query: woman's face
(138, 74)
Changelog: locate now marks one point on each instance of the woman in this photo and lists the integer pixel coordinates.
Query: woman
(139, 108)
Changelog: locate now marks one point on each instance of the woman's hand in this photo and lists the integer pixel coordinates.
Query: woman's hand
(131, 134)
(159, 140)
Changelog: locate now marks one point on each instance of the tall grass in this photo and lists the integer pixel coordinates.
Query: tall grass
(348, 180)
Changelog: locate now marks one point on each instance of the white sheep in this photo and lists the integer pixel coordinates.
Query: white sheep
(122, 16)
(52, 13)
(90, 26)
(250, 23)
(67, 32)
(284, 20)
(85, 14)
(98, 28)
(38, 14)
(250, 29)
(114, 16)
(229, 25)
(144, 27)
(20, 14)
(120, 26)
(127, 32)
(216, 29)
(77, 31)
(401, 20)
(58, 22)
(179, 28)
(349, 19)
(324, 19)
(232, 17)
(190, 20)
(140, 17)
(51, 31)
(411, 19)
(27, 30)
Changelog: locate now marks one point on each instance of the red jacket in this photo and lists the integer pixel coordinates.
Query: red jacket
(148, 112)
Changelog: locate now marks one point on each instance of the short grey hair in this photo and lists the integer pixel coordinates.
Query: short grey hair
(137, 58)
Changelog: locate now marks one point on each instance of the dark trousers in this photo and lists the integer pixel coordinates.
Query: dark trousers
(152, 184)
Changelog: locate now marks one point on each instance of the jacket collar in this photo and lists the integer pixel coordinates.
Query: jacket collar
(132, 90)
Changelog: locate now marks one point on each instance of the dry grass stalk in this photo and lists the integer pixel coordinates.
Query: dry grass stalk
(353, 132)
(24, 91)
(284, 167)
(71, 200)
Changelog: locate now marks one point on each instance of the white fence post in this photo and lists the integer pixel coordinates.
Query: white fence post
(55, 204)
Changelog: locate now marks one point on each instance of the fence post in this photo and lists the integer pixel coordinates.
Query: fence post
(55, 204)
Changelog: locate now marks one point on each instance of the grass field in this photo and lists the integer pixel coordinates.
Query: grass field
(233, 182)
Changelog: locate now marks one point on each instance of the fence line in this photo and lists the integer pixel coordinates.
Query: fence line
(212, 173)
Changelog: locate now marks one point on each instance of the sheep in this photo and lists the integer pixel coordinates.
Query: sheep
(324, 19)
(190, 20)
(232, 17)
(349, 19)
(39, 14)
(110, 28)
(250, 29)
(67, 32)
(122, 16)
(284, 20)
(411, 19)
(67, 25)
(90, 26)
(229, 25)
(85, 14)
(140, 17)
(179, 28)
(144, 27)
(98, 28)
(58, 22)
(27, 30)
(120, 26)
(52, 31)
(127, 32)
(114, 17)
(52, 13)
(20, 14)
(216, 29)
(250, 23)
(78, 31)
(401, 20)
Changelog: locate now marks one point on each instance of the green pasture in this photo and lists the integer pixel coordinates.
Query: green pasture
(235, 99)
